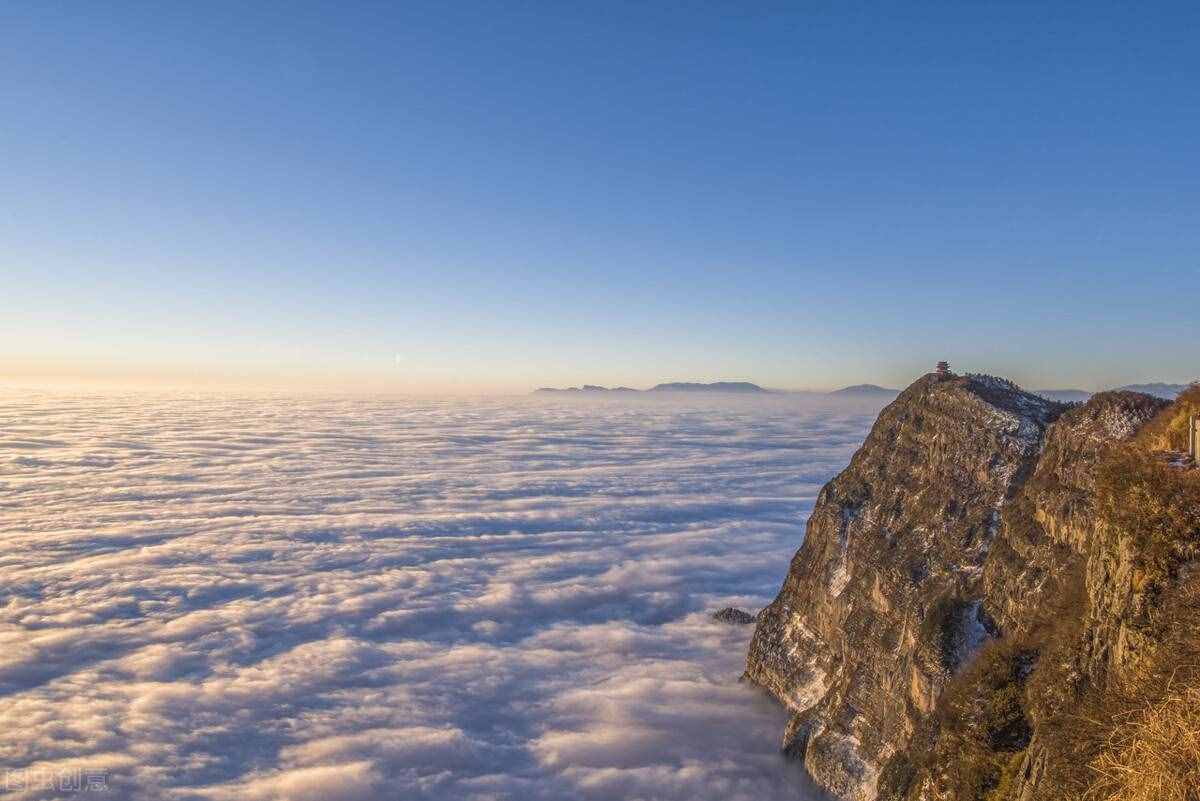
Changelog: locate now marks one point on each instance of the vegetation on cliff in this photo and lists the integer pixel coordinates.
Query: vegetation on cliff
(1168, 431)
(998, 601)
(1092, 699)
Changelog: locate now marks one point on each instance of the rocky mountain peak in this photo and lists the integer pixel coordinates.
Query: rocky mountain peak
(883, 601)
(979, 526)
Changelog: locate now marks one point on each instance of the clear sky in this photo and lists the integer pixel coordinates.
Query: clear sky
(494, 196)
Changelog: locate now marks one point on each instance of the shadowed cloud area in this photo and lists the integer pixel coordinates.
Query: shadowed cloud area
(283, 598)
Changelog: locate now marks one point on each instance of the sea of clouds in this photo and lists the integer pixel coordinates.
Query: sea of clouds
(208, 597)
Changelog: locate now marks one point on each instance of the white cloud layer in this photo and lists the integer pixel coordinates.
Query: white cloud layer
(286, 598)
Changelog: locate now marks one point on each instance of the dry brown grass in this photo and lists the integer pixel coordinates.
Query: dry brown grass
(1131, 734)
(1168, 430)
(1152, 755)
(1151, 749)
(1110, 738)
(1157, 505)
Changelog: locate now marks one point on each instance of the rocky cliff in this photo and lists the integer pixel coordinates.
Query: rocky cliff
(960, 585)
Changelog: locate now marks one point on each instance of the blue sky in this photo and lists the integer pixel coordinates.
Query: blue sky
(490, 197)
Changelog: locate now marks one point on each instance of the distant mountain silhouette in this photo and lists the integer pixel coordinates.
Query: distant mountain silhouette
(716, 386)
(1064, 395)
(1158, 389)
(872, 390)
(586, 388)
(677, 386)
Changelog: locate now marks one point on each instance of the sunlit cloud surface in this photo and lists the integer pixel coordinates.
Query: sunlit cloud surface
(276, 598)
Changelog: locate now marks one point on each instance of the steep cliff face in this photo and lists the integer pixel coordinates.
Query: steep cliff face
(1052, 526)
(1065, 591)
(884, 602)
(964, 584)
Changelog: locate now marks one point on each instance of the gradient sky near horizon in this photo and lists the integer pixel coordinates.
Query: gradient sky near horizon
(491, 197)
